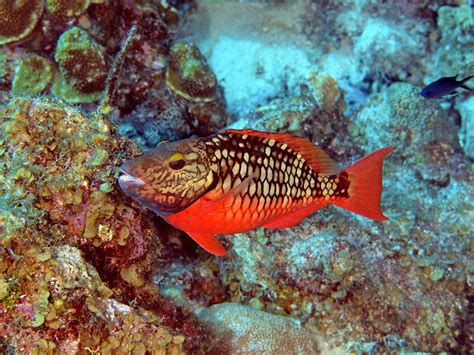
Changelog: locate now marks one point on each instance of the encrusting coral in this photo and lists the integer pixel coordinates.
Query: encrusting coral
(188, 73)
(18, 19)
(83, 67)
(33, 74)
(66, 8)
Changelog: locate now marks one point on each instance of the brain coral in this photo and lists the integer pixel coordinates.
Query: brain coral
(239, 329)
(18, 18)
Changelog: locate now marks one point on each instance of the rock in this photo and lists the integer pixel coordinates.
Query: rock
(466, 133)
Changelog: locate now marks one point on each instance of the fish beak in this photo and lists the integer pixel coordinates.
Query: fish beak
(127, 181)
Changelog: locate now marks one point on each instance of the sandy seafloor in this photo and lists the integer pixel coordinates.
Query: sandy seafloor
(86, 269)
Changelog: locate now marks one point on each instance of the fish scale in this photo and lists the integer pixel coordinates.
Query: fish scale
(276, 188)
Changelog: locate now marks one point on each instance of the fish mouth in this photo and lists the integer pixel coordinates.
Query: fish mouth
(127, 180)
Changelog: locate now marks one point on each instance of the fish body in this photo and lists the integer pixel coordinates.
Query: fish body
(444, 86)
(238, 180)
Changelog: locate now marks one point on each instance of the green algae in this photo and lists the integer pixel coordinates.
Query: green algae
(99, 158)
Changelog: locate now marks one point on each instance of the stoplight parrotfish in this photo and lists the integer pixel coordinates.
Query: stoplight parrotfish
(445, 86)
(237, 180)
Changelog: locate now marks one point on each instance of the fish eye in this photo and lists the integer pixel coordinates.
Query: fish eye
(176, 161)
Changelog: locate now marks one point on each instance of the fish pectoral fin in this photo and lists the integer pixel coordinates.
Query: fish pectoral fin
(294, 218)
(209, 242)
(224, 202)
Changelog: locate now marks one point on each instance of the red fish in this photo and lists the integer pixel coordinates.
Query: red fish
(237, 180)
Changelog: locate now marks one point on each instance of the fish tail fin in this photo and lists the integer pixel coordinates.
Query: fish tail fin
(467, 79)
(365, 177)
(464, 83)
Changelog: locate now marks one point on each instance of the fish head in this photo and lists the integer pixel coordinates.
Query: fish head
(429, 92)
(170, 177)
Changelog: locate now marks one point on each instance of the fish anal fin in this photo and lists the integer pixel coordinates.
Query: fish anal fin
(223, 203)
(209, 242)
(294, 218)
(317, 158)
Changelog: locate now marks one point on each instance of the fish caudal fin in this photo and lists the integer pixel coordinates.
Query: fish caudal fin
(463, 85)
(365, 189)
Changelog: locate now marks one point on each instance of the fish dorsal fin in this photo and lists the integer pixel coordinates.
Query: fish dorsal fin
(316, 158)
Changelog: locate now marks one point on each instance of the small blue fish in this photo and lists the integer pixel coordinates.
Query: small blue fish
(445, 86)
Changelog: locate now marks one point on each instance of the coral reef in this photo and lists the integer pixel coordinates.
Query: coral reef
(196, 106)
(83, 36)
(188, 74)
(401, 117)
(84, 269)
(58, 174)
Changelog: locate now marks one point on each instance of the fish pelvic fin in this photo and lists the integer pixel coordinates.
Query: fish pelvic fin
(209, 242)
(365, 189)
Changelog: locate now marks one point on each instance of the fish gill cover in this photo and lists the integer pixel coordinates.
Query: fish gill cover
(86, 86)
